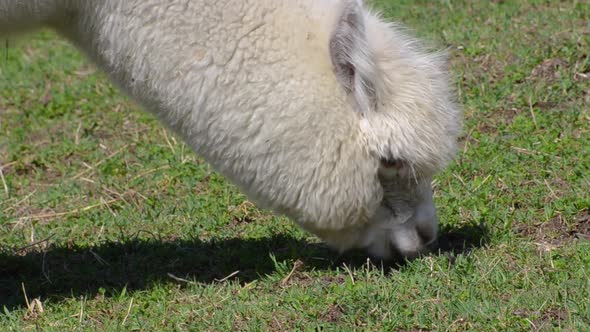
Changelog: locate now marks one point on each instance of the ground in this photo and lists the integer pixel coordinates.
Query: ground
(108, 222)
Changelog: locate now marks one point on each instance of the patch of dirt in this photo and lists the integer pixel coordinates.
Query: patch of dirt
(333, 314)
(582, 226)
(39, 138)
(507, 115)
(45, 135)
(557, 232)
(30, 166)
(544, 319)
(475, 69)
(297, 276)
(490, 66)
(339, 279)
(275, 325)
(202, 187)
(244, 213)
(545, 105)
(491, 125)
(556, 187)
(548, 70)
(553, 314)
(236, 221)
(504, 117)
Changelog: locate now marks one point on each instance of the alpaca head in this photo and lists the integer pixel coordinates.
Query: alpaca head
(409, 122)
(406, 222)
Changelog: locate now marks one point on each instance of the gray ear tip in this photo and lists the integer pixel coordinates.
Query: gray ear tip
(352, 57)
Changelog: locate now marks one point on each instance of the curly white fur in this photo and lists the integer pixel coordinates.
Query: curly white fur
(300, 103)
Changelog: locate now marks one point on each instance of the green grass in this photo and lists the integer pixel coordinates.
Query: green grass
(113, 224)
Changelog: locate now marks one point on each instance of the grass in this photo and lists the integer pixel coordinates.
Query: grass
(108, 222)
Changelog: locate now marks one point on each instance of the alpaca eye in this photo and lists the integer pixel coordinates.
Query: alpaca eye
(392, 164)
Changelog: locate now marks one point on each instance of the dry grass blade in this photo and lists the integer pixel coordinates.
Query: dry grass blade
(228, 276)
(90, 168)
(178, 278)
(296, 266)
(128, 311)
(34, 244)
(4, 182)
(66, 213)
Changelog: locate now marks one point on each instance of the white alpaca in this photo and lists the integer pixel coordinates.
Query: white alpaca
(316, 109)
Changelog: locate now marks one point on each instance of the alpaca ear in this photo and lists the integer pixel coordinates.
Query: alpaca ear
(352, 57)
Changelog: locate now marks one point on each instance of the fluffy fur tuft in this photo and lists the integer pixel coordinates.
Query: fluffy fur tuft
(304, 104)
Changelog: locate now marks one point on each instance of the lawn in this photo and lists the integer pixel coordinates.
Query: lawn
(108, 222)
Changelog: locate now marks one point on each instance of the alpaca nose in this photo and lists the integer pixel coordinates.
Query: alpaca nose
(426, 223)
(427, 235)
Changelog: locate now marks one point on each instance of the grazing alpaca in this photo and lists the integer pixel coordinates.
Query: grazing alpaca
(316, 109)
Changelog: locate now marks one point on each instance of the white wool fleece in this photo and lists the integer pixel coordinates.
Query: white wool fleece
(316, 109)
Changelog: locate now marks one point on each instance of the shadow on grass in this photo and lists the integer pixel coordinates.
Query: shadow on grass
(66, 271)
